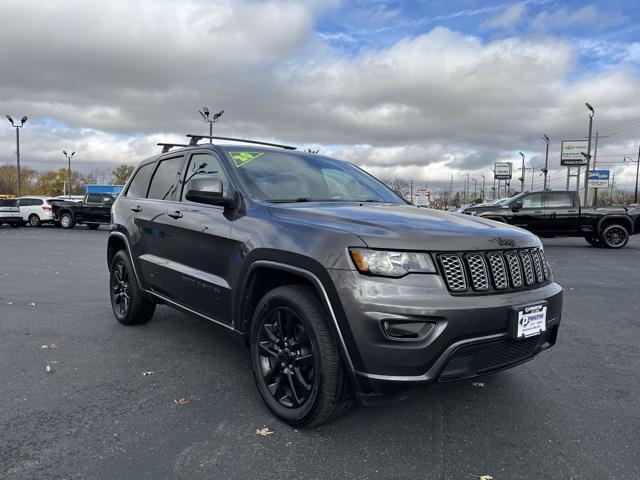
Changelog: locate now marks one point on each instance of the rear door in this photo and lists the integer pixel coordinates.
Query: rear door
(562, 213)
(199, 247)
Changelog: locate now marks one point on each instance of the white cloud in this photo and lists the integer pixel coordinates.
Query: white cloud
(509, 18)
(574, 19)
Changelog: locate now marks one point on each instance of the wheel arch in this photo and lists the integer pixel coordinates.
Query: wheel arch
(263, 275)
(623, 220)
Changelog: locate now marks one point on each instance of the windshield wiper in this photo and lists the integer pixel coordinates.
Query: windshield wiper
(292, 200)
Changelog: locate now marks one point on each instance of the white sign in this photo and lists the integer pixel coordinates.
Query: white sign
(572, 152)
(502, 171)
(599, 178)
(421, 198)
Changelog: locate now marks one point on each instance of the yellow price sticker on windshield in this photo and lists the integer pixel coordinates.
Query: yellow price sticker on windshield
(240, 158)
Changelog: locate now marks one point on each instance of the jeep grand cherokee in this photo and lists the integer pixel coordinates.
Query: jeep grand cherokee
(339, 288)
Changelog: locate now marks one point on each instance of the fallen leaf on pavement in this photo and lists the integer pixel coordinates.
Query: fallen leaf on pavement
(180, 401)
(486, 477)
(49, 369)
(50, 345)
(144, 374)
(264, 432)
(478, 384)
(32, 304)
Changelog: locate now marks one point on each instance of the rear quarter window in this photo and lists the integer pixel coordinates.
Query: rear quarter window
(140, 182)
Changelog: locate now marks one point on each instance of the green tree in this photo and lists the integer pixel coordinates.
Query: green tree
(121, 174)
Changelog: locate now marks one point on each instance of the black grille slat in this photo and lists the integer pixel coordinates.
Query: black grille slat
(482, 272)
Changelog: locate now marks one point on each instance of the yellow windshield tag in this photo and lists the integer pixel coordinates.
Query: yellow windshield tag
(240, 158)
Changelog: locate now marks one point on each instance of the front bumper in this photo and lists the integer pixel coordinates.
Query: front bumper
(469, 334)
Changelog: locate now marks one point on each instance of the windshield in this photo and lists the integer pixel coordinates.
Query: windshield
(293, 177)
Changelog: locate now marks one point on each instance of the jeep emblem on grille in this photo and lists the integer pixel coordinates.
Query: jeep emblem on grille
(504, 242)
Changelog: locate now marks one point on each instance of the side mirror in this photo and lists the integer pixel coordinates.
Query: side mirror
(209, 191)
(108, 202)
(515, 206)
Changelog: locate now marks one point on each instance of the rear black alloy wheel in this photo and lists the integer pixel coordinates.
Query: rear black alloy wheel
(286, 357)
(127, 299)
(615, 236)
(34, 220)
(295, 359)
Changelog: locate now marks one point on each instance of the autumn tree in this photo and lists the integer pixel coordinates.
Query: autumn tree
(121, 174)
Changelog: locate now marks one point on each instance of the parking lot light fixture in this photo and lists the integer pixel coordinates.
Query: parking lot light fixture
(68, 170)
(546, 162)
(588, 156)
(17, 127)
(205, 115)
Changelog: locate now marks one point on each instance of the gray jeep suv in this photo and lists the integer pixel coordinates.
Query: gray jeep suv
(340, 289)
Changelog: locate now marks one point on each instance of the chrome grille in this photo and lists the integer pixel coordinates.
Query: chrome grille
(537, 265)
(478, 271)
(496, 270)
(454, 272)
(527, 267)
(514, 269)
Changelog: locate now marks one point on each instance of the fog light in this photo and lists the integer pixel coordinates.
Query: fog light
(404, 330)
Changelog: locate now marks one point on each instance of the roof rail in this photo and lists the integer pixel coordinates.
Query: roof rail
(168, 146)
(196, 138)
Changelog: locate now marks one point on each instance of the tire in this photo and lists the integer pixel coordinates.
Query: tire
(303, 387)
(593, 241)
(34, 220)
(93, 226)
(129, 305)
(67, 221)
(614, 236)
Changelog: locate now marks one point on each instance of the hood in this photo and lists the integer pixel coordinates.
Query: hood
(406, 227)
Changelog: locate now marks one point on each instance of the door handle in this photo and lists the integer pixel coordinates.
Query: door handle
(174, 214)
(538, 211)
(572, 211)
(137, 208)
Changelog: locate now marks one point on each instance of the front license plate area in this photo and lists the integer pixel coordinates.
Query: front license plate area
(529, 320)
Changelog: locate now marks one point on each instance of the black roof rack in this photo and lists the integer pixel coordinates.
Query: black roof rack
(168, 146)
(196, 138)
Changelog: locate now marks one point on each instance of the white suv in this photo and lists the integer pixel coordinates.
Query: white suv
(36, 210)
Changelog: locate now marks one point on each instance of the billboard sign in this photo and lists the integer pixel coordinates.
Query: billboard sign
(599, 178)
(572, 152)
(502, 171)
(422, 197)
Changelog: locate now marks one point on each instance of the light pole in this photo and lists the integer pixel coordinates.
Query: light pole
(637, 162)
(17, 127)
(475, 189)
(68, 171)
(483, 180)
(586, 176)
(546, 162)
(205, 115)
(522, 178)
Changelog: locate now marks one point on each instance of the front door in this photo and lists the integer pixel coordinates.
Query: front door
(200, 248)
(532, 214)
(562, 214)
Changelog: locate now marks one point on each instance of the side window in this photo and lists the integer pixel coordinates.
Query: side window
(558, 200)
(138, 186)
(205, 165)
(532, 201)
(94, 198)
(165, 181)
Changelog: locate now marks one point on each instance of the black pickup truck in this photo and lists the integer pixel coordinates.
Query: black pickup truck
(92, 211)
(558, 213)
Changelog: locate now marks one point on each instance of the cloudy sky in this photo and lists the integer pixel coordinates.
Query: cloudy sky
(409, 89)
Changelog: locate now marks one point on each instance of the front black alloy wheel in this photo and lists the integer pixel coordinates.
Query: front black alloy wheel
(295, 359)
(286, 357)
(614, 236)
(127, 299)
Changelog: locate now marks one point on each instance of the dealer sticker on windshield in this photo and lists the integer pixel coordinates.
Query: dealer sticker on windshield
(240, 158)
(531, 320)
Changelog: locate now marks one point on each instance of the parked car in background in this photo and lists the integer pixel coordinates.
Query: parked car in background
(94, 210)
(10, 212)
(558, 213)
(36, 210)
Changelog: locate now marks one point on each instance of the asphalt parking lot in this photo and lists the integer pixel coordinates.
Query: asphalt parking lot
(571, 413)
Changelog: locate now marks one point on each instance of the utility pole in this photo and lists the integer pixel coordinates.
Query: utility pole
(205, 115)
(17, 127)
(546, 162)
(586, 174)
(613, 180)
(68, 157)
(522, 178)
(637, 171)
(483, 180)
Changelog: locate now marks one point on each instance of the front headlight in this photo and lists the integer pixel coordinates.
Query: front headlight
(391, 264)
